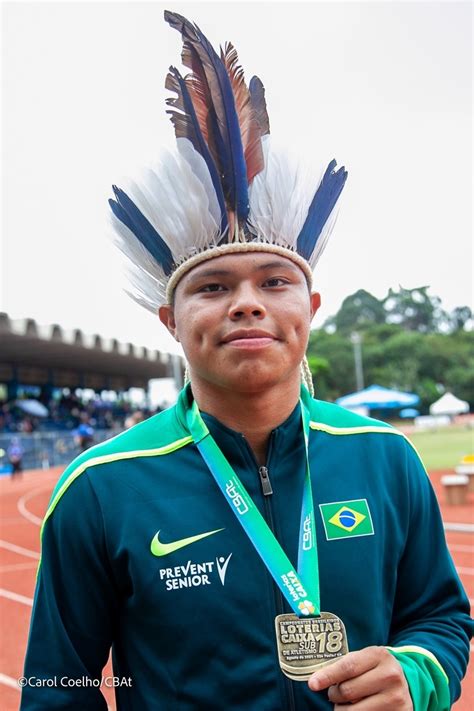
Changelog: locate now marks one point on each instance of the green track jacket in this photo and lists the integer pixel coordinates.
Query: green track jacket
(190, 617)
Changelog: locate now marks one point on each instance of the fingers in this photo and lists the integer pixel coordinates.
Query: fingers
(368, 680)
(379, 702)
(357, 688)
(347, 667)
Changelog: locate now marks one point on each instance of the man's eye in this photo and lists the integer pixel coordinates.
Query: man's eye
(211, 288)
(275, 281)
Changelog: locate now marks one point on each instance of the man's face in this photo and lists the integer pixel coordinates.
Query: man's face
(243, 320)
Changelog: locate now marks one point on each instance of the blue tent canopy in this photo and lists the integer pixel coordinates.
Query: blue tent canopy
(409, 412)
(376, 397)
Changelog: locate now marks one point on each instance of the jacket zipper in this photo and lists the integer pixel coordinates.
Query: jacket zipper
(278, 597)
(267, 491)
(265, 481)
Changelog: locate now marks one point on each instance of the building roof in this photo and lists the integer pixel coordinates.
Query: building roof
(36, 354)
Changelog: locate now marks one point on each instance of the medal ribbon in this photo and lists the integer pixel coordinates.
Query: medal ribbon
(301, 589)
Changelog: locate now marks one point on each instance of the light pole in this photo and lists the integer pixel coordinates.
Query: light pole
(359, 373)
(176, 370)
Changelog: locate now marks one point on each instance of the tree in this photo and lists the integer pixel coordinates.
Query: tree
(413, 350)
(415, 310)
(460, 381)
(319, 368)
(337, 378)
(358, 311)
(460, 317)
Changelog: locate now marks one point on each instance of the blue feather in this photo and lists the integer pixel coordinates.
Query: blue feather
(127, 212)
(321, 207)
(187, 125)
(232, 166)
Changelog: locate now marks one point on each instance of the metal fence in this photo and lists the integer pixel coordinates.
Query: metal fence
(42, 450)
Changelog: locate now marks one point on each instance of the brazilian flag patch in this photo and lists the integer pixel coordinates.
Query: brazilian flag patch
(347, 519)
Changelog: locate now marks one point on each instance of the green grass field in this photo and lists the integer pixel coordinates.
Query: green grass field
(444, 448)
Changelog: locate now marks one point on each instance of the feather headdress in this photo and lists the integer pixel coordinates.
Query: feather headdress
(225, 189)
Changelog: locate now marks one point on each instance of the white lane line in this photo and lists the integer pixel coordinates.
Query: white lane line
(462, 527)
(17, 566)
(9, 681)
(459, 548)
(19, 549)
(465, 571)
(16, 598)
(21, 505)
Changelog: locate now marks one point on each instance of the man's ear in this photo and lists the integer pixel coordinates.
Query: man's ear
(166, 316)
(315, 303)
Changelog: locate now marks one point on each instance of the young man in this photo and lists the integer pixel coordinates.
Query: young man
(251, 547)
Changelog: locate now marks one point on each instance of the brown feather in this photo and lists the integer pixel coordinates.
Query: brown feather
(178, 118)
(201, 106)
(214, 106)
(197, 91)
(249, 125)
(195, 57)
(201, 92)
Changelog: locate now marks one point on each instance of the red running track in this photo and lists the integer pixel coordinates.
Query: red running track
(23, 503)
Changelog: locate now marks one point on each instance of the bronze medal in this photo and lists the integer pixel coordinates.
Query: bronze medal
(307, 644)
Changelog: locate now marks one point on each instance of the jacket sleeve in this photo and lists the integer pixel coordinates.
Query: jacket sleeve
(74, 607)
(431, 626)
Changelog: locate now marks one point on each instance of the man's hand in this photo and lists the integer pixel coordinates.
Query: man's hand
(368, 680)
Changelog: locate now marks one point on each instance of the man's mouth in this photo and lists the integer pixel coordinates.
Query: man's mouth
(249, 338)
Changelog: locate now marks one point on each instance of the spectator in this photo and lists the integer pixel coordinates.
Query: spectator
(84, 434)
(15, 456)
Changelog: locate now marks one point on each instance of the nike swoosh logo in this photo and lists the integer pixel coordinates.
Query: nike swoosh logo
(158, 548)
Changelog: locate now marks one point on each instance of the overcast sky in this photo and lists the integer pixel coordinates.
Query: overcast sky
(383, 87)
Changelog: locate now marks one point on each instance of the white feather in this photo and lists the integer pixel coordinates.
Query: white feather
(132, 248)
(281, 195)
(146, 290)
(200, 169)
(140, 262)
(324, 236)
(175, 201)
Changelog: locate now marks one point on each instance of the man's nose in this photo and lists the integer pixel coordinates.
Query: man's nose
(246, 301)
